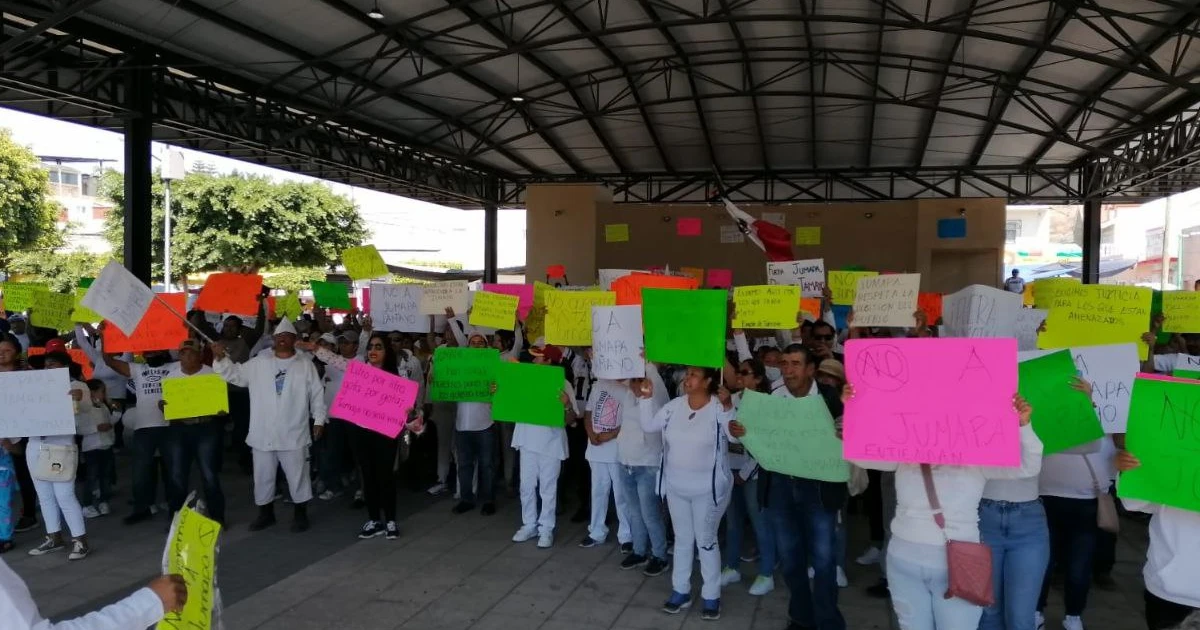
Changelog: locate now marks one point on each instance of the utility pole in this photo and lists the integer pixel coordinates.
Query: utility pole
(172, 169)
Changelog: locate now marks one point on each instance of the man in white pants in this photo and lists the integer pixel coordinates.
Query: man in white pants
(285, 391)
(603, 423)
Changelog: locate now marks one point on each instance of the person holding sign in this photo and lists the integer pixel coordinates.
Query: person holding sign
(475, 437)
(196, 439)
(695, 479)
(285, 391)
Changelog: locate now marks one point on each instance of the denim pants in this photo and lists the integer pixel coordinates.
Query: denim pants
(201, 443)
(744, 505)
(807, 534)
(646, 524)
(1020, 542)
(147, 442)
(98, 477)
(477, 449)
(1072, 524)
(919, 594)
(330, 450)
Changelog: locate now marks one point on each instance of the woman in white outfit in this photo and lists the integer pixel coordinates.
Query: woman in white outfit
(696, 479)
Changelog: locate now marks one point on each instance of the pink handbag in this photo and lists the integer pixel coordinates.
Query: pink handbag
(969, 563)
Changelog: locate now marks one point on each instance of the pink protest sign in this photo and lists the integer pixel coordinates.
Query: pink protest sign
(524, 293)
(688, 226)
(374, 399)
(933, 401)
(720, 278)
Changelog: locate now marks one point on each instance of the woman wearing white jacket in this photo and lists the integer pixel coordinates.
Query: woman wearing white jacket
(696, 479)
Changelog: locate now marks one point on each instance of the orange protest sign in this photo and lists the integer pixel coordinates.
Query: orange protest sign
(629, 288)
(931, 304)
(230, 293)
(160, 329)
(77, 355)
(811, 306)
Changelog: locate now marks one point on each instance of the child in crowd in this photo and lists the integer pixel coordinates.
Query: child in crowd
(97, 447)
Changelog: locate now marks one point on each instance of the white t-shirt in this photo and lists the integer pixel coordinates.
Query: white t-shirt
(1014, 285)
(147, 383)
(607, 402)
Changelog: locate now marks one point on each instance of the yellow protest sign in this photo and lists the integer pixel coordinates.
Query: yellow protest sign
(569, 315)
(194, 396)
(844, 284)
(808, 236)
(1096, 315)
(1181, 311)
(494, 310)
(18, 296)
(288, 306)
(771, 307)
(616, 233)
(82, 313)
(1045, 289)
(364, 263)
(1027, 295)
(192, 553)
(52, 310)
(540, 291)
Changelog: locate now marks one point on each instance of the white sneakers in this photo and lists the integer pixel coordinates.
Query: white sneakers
(529, 532)
(438, 488)
(842, 582)
(90, 512)
(546, 540)
(730, 576)
(1072, 623)
(871, 556)
(1039, 621)
(762, 585)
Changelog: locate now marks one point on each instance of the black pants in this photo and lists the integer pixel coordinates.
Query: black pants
(29, 498)
(873, 500)
(239, 415)
(1164, 615)
(1072, 524)
(577, 475)
(376, 457)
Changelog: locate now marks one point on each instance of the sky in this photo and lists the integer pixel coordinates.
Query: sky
(402, 229)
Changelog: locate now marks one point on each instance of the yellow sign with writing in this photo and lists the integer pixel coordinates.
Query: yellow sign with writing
(494, 310)
(18, 296)
(1095, 315)
(364, 263)
(771, 307)
(194, 396)
(82, 313)
(1181, 311)
(288, 306)
(616, 233)
(192, 553)
(808, 236)
(844, 285)
(569, 315)
(52, 310)
(1044, 290)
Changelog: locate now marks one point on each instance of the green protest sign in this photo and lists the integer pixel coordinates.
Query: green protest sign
(1192, 374)
(529, 393)
(463, 374)
(1063, 417)
(331, 295)
(685, 327)
(1164, 436)
(793, 436)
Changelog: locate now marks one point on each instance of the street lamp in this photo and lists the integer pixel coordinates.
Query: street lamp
(172, 169)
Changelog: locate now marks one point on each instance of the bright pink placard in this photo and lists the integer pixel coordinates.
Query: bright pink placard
(687, 226)
(720, 278)
(933, 401)
(524, 293)
(366, 299)
(374, 399)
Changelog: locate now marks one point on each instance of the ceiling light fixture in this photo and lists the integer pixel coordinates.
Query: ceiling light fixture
(518, 99)
(375, 13)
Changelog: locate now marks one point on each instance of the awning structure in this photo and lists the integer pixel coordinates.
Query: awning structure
(1108, 268)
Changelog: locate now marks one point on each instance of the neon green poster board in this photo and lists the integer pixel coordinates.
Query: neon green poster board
(793, 436)
(463, 374)
(685, 327)
(530, 394)
(1063, 417)
(1164, 436)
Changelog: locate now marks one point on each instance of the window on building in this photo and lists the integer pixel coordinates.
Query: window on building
(1154, 243)
(70, 179)
(1012, 231)
(53, 177)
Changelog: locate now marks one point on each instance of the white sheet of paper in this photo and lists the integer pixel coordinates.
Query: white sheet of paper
(1111, 370)
(397, 307)
(887, 301)
(608, 276)
(809, 275)
(980, 311)
(119, 297)
(778, 218)
(731, 234)
(617, 342)
(436, 297)
(1028, 320)
(36, 403)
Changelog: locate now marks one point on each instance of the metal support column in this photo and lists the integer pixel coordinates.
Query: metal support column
(138, 173)
(491, 233)
(1091, 241)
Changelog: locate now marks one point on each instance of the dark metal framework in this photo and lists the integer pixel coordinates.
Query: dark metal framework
(466, 102)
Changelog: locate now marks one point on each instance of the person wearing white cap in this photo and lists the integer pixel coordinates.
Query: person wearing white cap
(285, 391)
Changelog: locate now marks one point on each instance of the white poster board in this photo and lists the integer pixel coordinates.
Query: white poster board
(1028, 321)
(886, 300)
(438, 296)
(118, 296)
(608, 276)
(809, 275)
(981, 311)
(36, 403)
(1111, 370)
(397, 307)
(617, 342)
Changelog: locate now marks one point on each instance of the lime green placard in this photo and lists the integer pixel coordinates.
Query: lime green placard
(530, 394)
(331, 295)
(793, 436)
(1192, 374)
(52, 310)
(1165, 437)
(463, 374)
(1063, 417)
(18, 296)
(195, 396)
(685, 327)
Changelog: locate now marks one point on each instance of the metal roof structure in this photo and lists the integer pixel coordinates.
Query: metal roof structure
(469, 101)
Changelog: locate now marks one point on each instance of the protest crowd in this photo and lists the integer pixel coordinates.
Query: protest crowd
(987, 437)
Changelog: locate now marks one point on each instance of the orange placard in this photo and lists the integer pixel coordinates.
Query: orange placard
(556, 271)
(230, 293)
(629, 288)
(160, 329)
(695, 272)
(811, 306)
(77, 355)
(931, 303)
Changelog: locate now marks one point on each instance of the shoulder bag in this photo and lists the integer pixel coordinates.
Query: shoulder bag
(969, 564)
(1106, 509)
(56, 462)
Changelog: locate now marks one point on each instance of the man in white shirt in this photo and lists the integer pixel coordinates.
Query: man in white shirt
(144, 608)
(285, 391)
(1014, 284)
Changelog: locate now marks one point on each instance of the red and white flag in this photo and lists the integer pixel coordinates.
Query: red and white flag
(774, 240)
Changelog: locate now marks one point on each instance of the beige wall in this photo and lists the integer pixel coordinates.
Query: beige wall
(566, 225)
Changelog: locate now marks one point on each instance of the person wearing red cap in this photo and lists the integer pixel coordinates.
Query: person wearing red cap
(56, 345)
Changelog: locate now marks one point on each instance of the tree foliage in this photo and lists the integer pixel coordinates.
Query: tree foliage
(292, 278)
(61, 272)
(237, 222)
(27, 211)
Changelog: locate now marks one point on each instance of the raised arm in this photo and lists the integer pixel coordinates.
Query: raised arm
(652, 417)
(117, 365)
(232, 373)
(1031, 448)
(455, 325)
(84, 341)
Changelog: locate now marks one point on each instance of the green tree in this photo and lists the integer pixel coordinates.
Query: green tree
(292, 278)
(237, 222)
(27, 211)
(61, 272)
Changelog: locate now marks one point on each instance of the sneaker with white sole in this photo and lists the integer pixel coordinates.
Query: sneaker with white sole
(79, 550)
(842, 582)
(90, 512)
(370, 529)
(762, 585)
(871, 556)
(546, 540)
(677, 603)
(329, 495)
(49, 545)
(1072, 623)
(730, 576)
(526, 533)
(391, 532)
(1039, 620)
(437, 488)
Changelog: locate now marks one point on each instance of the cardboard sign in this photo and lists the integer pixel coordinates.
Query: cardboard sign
(617, 342)
(120, 298)
(685, 327)
(463, 374)
(288, 306)
(52, 310)
(1028, 322)
(230, 293)
(844, 285)
(569, 315)
(809, 275)
(888, 300)
(629, 288)
(194, 396)
(808, 236)
(616, 233)
(719, 278)
(529, 394)
(980, 311)
(1111, 370)
(770, 307)
(77, 355)
(608, 276)
(397, 307)
(364, 263)
(374, 399)
(438, 296)
(494, 310)
(1062, 416)
(36, 403)
(331, 295)
(19, 296)
(81, 313)
(1045, 290)
(160, 329)
(793, 436)
(1165, 438)
(556, 271)
(192, 553)
(931, 305)
(933, 401)
(524, 293)
(1181, 311)
(1097, 314)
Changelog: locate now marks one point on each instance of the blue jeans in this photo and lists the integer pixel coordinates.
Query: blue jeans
(1020, 544)
(147, 442)
(202, 443)
(477, 449)
(1072, 524)
(646, 524)
(742, 505)
(919, 596)
(807, 534)
(100, 464)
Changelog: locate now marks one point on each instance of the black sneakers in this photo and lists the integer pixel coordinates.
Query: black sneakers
(626, 548)
(392, 532)
(371, 529)
(589, 542)
(632, 561)
(655, 567)
(463, 507)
